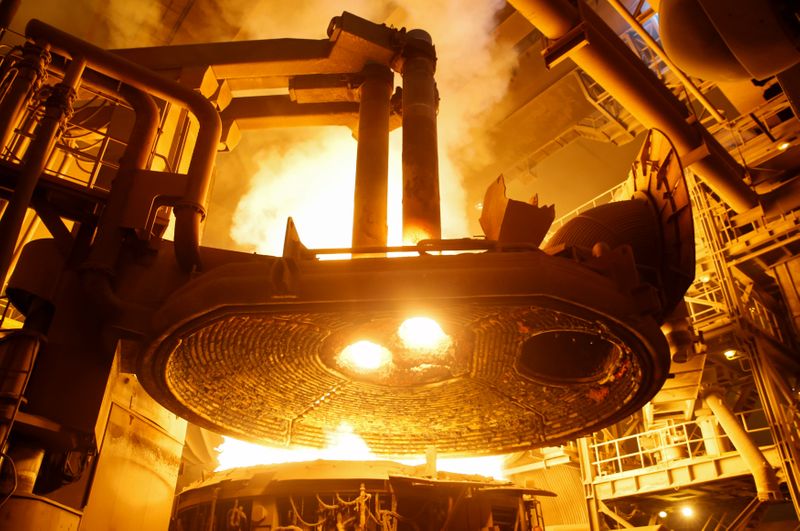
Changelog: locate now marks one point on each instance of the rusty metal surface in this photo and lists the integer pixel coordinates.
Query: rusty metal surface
(148, 458)
(240, 356)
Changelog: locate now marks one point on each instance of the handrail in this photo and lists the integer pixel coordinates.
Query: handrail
(190, 210)
(660, 446)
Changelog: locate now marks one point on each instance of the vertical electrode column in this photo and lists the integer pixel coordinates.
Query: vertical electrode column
(421, 216)
(372, 163)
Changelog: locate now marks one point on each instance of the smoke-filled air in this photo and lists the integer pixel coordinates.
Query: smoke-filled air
(309, 174)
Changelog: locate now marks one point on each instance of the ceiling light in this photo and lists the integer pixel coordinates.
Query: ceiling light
(687, 511)
(783, 146)
(730, 354)
(423, 333)
(365, 356)
(662, 514)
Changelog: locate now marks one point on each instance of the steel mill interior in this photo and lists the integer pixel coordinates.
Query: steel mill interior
(400, 265)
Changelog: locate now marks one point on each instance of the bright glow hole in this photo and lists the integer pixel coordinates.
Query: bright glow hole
(423, 333)
(730, 354)
(687, 511)
(365, 355)
(783, 146)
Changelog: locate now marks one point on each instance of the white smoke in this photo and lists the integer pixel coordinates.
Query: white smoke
(472, 75)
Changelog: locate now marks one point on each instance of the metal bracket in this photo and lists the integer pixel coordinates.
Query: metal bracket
(561, 49)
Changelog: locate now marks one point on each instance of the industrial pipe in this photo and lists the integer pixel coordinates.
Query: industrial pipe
(617, 69)
(30, 72)
(108, 242)
(18, 352)
(765, 478)
(17, 355)
(190, 210)
(372, 160)
(58, 108)
(620, 8)
(678, 330)
(421, 215)
(99, 265)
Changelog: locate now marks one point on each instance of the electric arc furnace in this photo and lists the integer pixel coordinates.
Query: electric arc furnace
(469, 346)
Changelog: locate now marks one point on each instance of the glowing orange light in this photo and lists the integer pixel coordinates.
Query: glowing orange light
(783, 146)
(343, 445)
(423, 333)
(730, 354)
(365, 355)
(414, 235)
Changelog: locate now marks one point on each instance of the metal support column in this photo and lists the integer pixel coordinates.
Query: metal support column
(587, 472)
(58, 109)
(372, 162)
(30, 70)
(421, 215)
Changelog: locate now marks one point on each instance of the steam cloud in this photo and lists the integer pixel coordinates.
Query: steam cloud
(472, 74)
(309, 173)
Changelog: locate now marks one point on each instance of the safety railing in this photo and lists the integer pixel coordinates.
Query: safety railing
(661, 446)
(88, 150)
(613, 194)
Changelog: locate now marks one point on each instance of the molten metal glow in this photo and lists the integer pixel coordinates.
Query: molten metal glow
(414, 235)
(423, 333)
(343, 445)
(365, 355)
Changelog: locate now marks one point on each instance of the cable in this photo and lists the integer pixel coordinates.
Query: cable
(325, 505)
(7, 458)
(300, 518)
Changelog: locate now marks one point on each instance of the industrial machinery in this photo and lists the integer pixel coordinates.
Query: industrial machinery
(530, 346)
(371, 495)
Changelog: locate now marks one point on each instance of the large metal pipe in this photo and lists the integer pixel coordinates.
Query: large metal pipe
(617, 69)
(57, 109)
(765, 478)
(108, 242)
(372, 161)
(30, 70)
(190, 210)
(421, 215)
(620, 8)
(99, 266)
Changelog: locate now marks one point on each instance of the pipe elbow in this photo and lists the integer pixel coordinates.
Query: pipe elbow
(187, 236)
